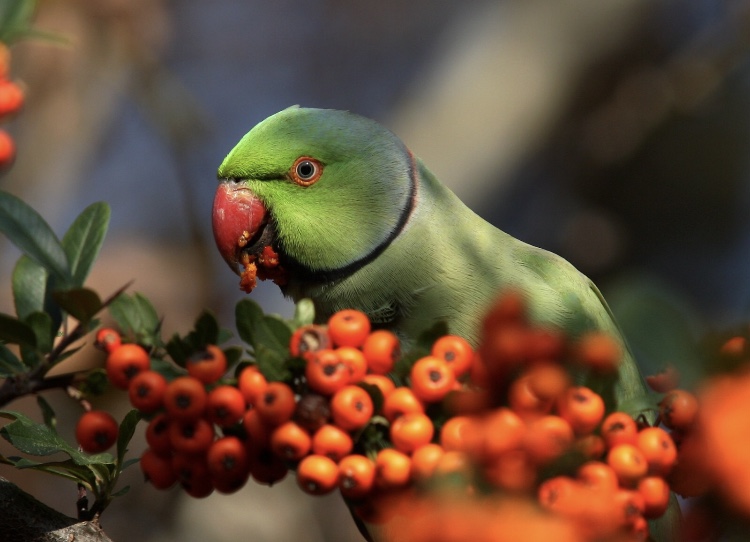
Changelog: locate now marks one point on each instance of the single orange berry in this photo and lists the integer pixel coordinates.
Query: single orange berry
(308, 339)
(209, 365)
(392, 469)
(678, 409)
(456, 351)
(157, 469)
(349, 327)
(276, 405)
(290, 442)
(317, 474)
(382, 382)
(619, 428)
(356, 476)
(96, 431)
(185, 398)
(325, 372)
(190, 436)
(629, 464)
(399, 402)
(411, 431)
(125, 362)
(351, 408)
(108, 339)
(582, 408)
(655, 493)
(381, 349)
(658, 448)
(332, 442)
(424, 461)
(252, 384)
(355, 362)
(431, 379)
(599, 352)
(225, 406)
(146, 391)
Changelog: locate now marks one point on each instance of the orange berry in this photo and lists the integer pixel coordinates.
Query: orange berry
(410, 431)
(392, 469)
(547, 438)
(308, 339)
(225, 406)
(355, 362)
(11, 97)
(598, 476)
(459, 433)
(190, 436)
(290, 442)
(267, 468)
(658, 448)
(524, 402)
(146, 391)
(96, 431)
(228, 461)
(356, 476)
(503, 430)
(125, 362)
(619, 428)
(655, 493)
(383, 383)
(547, 380)
(325, 373)
(157, 469)
(381, 349)
(678, 409)
(185, 398)
(276, 405)
(399, 402)
(332, 442)
(582, 408)
(599, 352)
(252, 384)
(209, 365)
(665, 381)
(192, 474)
(351, 408)
(431, 379)
(7, 149)
(256, 430)
(349, 327)
(157, 435)
(456, 352)
(424, 461)
(108, 339)
(628, 462)
(317, 474)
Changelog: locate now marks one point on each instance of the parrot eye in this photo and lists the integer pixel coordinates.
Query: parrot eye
(306, 171)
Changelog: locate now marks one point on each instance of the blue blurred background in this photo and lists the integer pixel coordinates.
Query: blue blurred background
(614, 133)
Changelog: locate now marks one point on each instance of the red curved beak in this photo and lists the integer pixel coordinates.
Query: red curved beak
(238, 215)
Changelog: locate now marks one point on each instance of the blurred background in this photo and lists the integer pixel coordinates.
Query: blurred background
(616, 134)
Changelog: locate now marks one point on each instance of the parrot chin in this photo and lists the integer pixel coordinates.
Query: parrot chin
(240, 223)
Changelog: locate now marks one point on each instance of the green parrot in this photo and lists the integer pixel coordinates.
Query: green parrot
(355, 220)
(334, 207)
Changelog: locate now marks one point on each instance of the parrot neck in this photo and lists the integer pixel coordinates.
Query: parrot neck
(317, 277)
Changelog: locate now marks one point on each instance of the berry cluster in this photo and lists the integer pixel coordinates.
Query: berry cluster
(11, 101)
(358, 417)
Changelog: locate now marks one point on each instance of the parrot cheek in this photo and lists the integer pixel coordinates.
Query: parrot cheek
(238, 217)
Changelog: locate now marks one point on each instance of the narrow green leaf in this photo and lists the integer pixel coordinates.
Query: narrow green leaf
(130, 462)
(10, 365)
(84, 239)
(41, 323)
(26, 229)
(66, 469)
(120, 492)
(178, 350)
(271, 363)
(50, 420)
(15, 18)
(81, 303)
(29, 282)
(136, 316)
(127, 428)
(13, 331)
(279, 331)
(247, 313)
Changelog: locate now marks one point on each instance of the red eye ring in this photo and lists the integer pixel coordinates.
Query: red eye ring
(306, 171)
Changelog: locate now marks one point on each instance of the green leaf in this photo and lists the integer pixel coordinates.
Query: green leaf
(38, 439)
(84, 239)
(26, 229)
(125, 433)
(304, 313)
(233, 354)
(50, 420)
(271, 363)
(136, 316)
(10, 365)
(66, 469)
(15, 18)
(81, 303)
(41, 323)
(96, 383)
(14, 331)
(206, 331)
(120, 492)
(29, 282)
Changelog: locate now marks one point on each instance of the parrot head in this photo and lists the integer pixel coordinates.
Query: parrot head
(326, 190)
